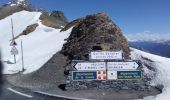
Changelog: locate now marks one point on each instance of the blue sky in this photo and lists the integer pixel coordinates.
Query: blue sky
(132, 16)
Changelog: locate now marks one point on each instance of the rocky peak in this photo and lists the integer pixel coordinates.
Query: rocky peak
(94, 32)
(59, 15)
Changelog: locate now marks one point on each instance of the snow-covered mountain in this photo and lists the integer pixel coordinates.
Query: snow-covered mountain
(149, 37)
(39, 46)
(17, 2)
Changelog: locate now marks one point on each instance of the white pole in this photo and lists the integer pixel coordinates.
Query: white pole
(22, 56)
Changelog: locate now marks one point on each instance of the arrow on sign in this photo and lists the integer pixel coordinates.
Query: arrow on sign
(88, 66)
(122, 65)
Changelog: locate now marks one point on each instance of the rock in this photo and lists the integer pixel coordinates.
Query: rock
(59, 15)
(53, 20)
(71, 24)
(94, 32)
(28, 30)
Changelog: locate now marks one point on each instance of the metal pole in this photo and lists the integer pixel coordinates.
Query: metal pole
(12, 29)
(22, 56)
(13, 38)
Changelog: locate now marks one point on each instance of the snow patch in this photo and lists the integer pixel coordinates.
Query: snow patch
(162, 66)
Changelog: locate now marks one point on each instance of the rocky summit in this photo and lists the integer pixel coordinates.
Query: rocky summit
(94, 32)
(98, 32)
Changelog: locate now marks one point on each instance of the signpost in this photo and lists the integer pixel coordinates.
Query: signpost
(124, 75)
(104, 55)
(122, 65)
(14, 50)
(88, 66)
(112, 70)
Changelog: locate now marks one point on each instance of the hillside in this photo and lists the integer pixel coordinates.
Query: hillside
(51, 39)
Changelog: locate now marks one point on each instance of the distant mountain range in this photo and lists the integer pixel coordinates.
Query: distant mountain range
(149, 37)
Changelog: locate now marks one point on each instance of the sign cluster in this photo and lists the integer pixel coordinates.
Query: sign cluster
(105, 70)
(14, 50)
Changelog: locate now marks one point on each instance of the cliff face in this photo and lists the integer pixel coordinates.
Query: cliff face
(94, 32)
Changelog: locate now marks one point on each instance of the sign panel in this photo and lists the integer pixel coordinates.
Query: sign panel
(13, 43)
(113, 75)
(122, 65)
(101, 75)
(80, 75)
(87, 66)
(14, 51)
(103, 55)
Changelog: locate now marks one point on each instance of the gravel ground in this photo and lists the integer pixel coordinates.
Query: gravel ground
(51, 75)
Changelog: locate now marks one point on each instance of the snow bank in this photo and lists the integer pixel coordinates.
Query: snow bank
(162, 65)
(39, 46)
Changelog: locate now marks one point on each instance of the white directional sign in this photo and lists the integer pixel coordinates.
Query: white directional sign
(106, 55)
(88, 66)
(14, 51)
(122, 65)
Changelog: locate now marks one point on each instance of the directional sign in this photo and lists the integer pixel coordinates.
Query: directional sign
(87, 66)
(113, 75)
(14, 51)
(80, 75)
(122, 65)
(103, 55)
(89, 75)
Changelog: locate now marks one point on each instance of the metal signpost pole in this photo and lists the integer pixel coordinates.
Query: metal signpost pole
(13, 38)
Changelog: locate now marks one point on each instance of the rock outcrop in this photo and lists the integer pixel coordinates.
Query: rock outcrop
(59, 15)
(28, 30)
(56, 19)
(94, 32)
